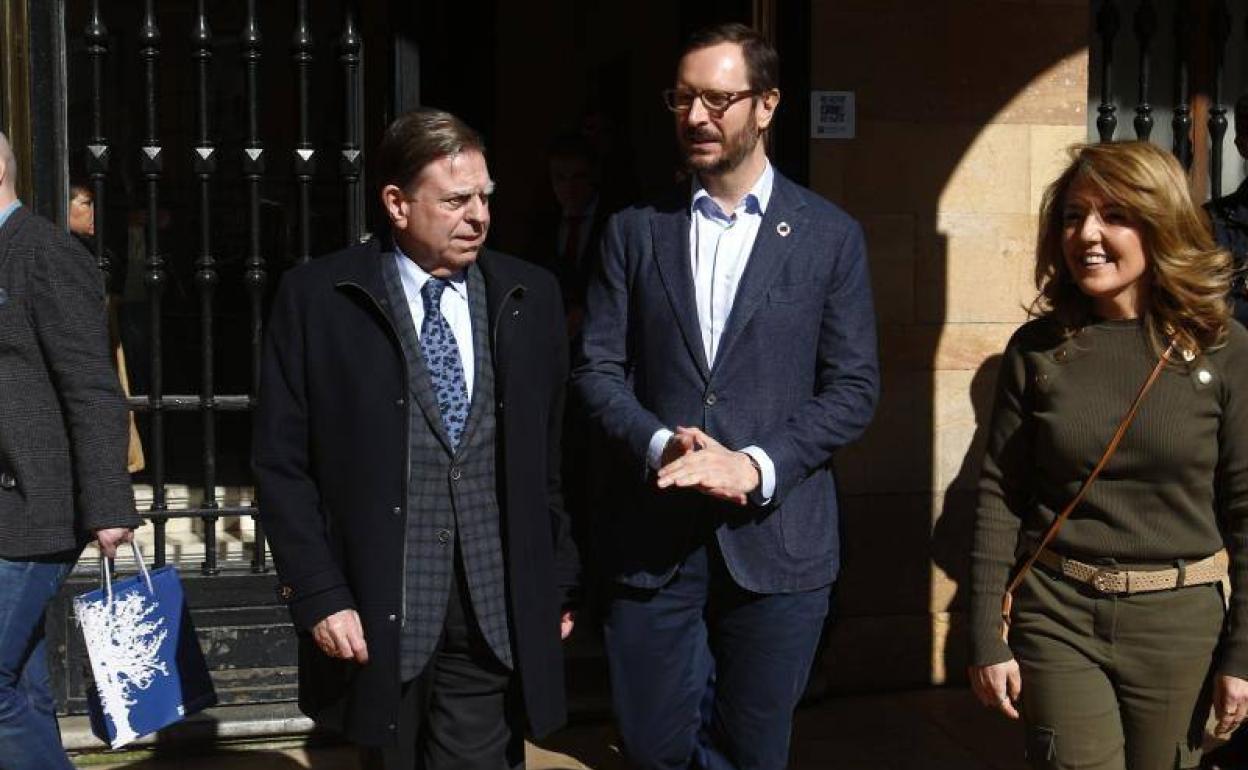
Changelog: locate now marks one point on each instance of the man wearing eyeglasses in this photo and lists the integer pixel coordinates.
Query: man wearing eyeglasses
(407, 452)
(729, 349)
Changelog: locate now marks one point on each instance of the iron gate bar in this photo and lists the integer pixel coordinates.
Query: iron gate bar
(1145, 27)
(201, 512)
(1220, 33)
(1181, 122)
(352, 155)
(151, 161)
(187, 403)
(253, 169)
(96, 35)
(305, 155)
(204, 164)
(1107, 28)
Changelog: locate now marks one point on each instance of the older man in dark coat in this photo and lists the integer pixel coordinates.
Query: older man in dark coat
(63, 438)
(407, 450)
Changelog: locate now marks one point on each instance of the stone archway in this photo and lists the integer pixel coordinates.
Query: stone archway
(964, 109)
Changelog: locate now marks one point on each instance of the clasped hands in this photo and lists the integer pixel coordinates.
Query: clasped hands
(693, 460)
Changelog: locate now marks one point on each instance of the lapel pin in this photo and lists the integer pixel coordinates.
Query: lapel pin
(783, 229)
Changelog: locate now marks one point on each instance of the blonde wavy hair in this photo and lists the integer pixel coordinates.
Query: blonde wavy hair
(1189, 274)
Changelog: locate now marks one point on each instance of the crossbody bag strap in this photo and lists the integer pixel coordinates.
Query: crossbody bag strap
(1007, 601)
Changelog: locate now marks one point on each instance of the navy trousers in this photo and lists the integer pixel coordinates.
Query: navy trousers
(705, 674)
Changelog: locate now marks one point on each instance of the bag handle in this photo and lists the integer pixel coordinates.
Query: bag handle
(106, 578)
(1007, 601)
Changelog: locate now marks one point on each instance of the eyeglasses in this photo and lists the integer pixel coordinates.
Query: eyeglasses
(681, 99)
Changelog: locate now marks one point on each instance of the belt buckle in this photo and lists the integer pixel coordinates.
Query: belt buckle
(1102, 579)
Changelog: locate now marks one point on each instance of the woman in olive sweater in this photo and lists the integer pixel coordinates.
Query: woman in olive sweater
(1115, 629)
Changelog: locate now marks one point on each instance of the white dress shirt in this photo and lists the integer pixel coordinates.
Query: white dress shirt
(719, 249)
(454, 307)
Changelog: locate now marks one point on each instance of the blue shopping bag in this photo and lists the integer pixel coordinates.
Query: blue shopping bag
(149, 670)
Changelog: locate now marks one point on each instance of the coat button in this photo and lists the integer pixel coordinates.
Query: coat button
(7, 481)
(392, 617)
(396, 510)
(710, 399)
(285, 593)
(456, 473)
(1061, 355)
(399, 402)
(444, 536)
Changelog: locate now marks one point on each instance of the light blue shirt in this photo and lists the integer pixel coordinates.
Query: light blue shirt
(454, 307)
(719, 249)
(8, 210)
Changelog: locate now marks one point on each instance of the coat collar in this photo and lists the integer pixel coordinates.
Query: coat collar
(784, 225)
(11, 226)
(504, 292)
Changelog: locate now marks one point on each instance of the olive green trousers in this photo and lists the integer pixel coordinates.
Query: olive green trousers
(1114, 682)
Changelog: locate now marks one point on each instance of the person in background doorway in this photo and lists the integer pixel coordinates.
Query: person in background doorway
(82, 227)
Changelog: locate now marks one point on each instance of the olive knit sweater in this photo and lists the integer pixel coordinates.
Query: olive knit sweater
(1177, 488)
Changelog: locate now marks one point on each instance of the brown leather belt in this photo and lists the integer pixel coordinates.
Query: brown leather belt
(1127, 581)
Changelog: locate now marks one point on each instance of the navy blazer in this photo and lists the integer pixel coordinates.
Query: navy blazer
(796, 374)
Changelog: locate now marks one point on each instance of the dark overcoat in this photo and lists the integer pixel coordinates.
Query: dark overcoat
(1229, 216)
(331, 462)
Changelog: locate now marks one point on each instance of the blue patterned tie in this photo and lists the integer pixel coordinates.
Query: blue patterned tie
(442, 360)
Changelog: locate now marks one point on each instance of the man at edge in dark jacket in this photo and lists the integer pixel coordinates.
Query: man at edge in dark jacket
(1230, 219)
(63, 438)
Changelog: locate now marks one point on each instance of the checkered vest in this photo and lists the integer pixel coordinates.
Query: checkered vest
(452, 499)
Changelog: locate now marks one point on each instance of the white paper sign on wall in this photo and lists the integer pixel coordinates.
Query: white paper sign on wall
(831, 114)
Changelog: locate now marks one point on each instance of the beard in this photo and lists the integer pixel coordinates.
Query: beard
(735, 148)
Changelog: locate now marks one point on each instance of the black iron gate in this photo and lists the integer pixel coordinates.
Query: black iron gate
(222, 140)
(1172, 68)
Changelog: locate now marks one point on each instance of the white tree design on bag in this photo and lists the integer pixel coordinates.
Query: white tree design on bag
(128, 644)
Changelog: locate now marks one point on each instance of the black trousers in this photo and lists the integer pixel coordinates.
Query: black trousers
(461, 712)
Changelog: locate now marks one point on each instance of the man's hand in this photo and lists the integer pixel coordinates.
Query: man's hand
(1230, 703)
(566, 621)
(998, 686)
(712, 469)
(679, 445)
(112, 537)
(341, 636)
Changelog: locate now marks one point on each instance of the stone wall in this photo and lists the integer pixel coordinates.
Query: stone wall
(963, 113)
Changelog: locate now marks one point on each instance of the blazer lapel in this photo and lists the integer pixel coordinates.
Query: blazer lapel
(479, 313)
(670, 230)
(772, 248)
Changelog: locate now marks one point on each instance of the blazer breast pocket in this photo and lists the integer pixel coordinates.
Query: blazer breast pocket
(789, 295)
